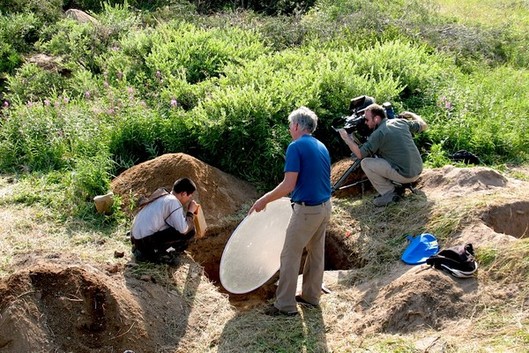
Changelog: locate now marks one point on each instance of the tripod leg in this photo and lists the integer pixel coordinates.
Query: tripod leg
(345, 175)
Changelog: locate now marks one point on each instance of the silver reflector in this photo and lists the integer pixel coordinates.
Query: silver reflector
(252, 254)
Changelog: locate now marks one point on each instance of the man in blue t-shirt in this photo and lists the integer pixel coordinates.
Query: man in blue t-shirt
(308, 178)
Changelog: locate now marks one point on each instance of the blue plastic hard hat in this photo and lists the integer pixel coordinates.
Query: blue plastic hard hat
(420, 248)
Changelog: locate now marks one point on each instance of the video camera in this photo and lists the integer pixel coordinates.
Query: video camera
(355, 123)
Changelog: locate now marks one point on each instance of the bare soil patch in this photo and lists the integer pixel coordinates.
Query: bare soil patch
(54, 304)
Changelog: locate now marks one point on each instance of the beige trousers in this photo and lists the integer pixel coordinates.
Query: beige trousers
(380, 174)
(306, 230)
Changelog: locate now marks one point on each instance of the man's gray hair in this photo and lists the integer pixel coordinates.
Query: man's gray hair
(305, 118)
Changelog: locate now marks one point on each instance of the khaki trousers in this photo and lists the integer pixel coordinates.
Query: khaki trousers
(306, 229)
(380, 174)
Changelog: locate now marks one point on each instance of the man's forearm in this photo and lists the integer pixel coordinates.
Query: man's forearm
(354, 148)
(349, 141)
(422, 124)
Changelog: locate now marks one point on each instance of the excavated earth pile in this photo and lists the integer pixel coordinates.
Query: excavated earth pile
(85, 308)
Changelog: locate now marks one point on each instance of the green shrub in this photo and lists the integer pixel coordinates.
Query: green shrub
(75, 43)
(48, 136)
(83, 85)
(135, 137)
(179, 132)
(31, 83)
(437, 157)
(48, 11)
(199, 54)
(81, 44)
(91, 176)
(480, 113)
(32, 140)
(175, 61)
(282, 32)
(178, 92)
(116, 20)
(18, 32)
(124, 65)
(9, 58)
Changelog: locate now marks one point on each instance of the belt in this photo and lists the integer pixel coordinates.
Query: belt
(308, 203)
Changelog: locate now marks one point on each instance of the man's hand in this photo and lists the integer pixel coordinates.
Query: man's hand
(343, 134)
(258, 206)
(349, 141)
(192, 207)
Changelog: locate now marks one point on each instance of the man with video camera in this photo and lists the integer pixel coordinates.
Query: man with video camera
(389, 154)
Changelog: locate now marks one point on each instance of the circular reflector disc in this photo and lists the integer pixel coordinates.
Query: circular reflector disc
(252, 254)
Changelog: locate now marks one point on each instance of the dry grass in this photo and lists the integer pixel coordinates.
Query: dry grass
(499, 321)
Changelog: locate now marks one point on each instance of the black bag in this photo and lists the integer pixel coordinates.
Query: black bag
(459, 261)
(465, 157)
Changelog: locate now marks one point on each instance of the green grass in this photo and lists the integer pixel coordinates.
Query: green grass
(487, 12)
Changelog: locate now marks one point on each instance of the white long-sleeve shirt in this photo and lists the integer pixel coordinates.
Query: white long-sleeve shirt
(159, 215)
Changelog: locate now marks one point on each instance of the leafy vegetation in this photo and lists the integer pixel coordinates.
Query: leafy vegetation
(136, 84)
(81, 102)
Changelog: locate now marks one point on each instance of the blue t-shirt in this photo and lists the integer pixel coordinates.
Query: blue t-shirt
(311, 160)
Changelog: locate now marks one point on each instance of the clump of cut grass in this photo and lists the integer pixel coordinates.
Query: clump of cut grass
(508, 264)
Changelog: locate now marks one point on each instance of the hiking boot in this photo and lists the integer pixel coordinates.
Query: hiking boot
(139, 256)
(386, 199)
(273, 311)
(170, 258)
(303, 302)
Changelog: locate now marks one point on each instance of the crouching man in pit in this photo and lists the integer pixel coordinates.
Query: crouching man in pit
(164, 225)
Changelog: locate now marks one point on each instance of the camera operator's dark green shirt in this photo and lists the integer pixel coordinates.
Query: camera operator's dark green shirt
(393, 141)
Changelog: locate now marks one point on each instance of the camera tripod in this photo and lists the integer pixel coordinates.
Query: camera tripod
(399, 188)
(339, 183)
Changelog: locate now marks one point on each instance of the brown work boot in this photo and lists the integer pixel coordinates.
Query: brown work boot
(303, 302)
(273, 311)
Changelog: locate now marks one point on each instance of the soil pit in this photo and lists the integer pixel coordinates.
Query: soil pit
(354, 181)
(208, 251)
(511, 219)
(222, 197)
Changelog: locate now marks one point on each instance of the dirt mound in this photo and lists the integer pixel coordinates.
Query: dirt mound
(451, 181)
(220, 194)
(354, 180)
(419, 299)
(65, 308)
(81, 310)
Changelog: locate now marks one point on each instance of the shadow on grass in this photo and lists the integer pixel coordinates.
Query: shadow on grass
(302, 333)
